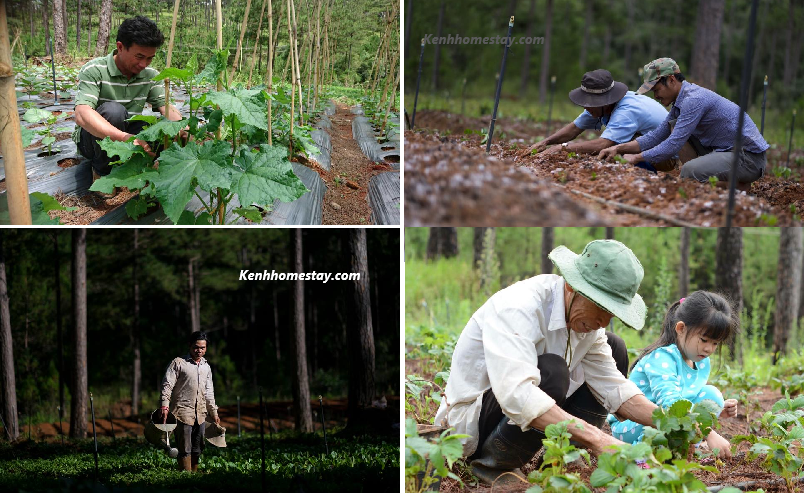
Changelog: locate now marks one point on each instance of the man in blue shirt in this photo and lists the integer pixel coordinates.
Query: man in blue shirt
(701, 118)
(606, 103)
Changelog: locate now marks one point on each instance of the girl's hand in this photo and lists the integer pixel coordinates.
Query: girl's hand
(730, 408)
(716, 441)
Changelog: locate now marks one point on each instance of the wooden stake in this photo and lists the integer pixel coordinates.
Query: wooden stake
(317, 53)
(19, 206)
(388, 108)
(256, 42)
(293, 82)
(296, 62)
(240, 42)
(219, 85)
(167, 64)
(270, 74)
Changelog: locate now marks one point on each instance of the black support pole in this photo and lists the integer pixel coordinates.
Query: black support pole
(418, 82)
(738, 142)
(53, 67)
(499, 84)
(323, 426)
(764, 100)
(790, 144)
(550, 104)
(61, 426)
(238, 415)
(94, 434)
(262, 441)
(111, 422)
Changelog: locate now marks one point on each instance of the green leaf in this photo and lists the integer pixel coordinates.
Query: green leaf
(266, 176)
(163, 127)
(214, 121)
(36, 115)
(48, 140)
(49, 203)
(133, 174)
(251, 213)
(187, 218)
(39, 215)
(600, 478)
(27, 136)
(173, 73)
(122, 149)
(192, 65)
(136, 207)
(150, 119)
(181, 168)
(214, 67)
(244, 104)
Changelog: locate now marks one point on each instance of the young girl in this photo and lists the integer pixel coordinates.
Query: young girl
(677, 365)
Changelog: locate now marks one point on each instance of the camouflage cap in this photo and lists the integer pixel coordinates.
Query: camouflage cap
(655, 70)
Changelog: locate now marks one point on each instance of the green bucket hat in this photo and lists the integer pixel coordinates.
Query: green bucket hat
(608, 273)
(655, 70)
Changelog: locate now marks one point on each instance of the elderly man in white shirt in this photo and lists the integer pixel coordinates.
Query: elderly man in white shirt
(536, 353)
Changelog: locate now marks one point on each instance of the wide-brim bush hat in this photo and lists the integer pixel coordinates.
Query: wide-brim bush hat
(598, 89)
(215, 433)
(607, 273)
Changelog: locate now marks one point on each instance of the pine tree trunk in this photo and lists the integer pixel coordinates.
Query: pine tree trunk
(437, 54)
(547, 247)
(443, 242)
(609, 233)
(788, 74)
(524, 77)
(59, 28)
(136, 377)
(585, 40)
(104, 27)
(276, 326)
(46, 26)
(729, 269)
(684, 264)
(59, 333)
(9, 382)
(477, 245)
(78, 27)
(301, 382)
(788, 289)
(544, 76)
(78, 413)
(195, 323)
(361, 337)
(706, 50)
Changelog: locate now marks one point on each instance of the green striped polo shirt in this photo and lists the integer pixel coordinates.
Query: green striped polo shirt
(100, 81)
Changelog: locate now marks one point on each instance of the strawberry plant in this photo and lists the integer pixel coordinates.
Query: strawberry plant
(558, 453)
(421, 395)
(212, 170)
(424, 460)
(680, 426)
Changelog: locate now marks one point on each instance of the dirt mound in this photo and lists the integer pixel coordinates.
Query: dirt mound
(504, 128)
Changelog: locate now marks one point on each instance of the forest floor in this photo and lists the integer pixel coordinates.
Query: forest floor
(731, 471)
(451, 180)
(280, 414)
(346, 200)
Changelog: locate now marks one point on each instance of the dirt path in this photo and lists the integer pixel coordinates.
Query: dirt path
(348, 179)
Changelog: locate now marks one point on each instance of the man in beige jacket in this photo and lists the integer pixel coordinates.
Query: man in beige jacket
(187, 392)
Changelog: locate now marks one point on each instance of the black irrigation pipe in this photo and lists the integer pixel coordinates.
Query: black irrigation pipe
(94, 434)
(53, 67)
(463, 96)
(61, 426)
(262, 440)
(738, 143)
(790, 145)
(418, 81)
(238, 415)
(499, 85)
(112, 423)
(550, 105)
(764, 100)
(323, 426)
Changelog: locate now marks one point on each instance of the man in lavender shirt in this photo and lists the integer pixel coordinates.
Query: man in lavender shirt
(701, 117)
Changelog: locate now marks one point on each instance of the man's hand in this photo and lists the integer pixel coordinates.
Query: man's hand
(534, 149)
(715, 441)
(217, 420)
(632, 158)
(552, 150)
(730, 408)
(140, 143)
(163, 414)
(603, 446)
(607, 153)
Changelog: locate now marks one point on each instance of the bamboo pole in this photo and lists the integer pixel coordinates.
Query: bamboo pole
(317, 53)
(388, 108)
(256, 42)
(309, 67)
(219, 86)
(240, 41)
(293, 81)
(270, 74)
(278, 28)
(296, 62)
(325, 62)
(19, 206)
(167, 64)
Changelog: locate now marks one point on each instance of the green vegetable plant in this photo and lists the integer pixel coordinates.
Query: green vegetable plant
(214, 171)
(713, 182)
(427, 461)
(552, 476)
(794, 384)
(680, 426)
(740, 385)
(421, 396)
(36, 115)
(620, 159)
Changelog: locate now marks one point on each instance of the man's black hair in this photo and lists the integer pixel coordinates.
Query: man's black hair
(197, 336)
(140, 30)
(678, 77)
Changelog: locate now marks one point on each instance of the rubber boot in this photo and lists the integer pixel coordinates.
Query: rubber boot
(184, 463)
(505, 450)
(194, 461)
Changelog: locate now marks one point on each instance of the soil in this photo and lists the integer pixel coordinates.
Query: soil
(509, 129)
(350, 168)
(89, 207)
(450, 180)
(68, 162)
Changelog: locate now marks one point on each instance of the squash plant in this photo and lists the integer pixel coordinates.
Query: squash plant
(237, 166)
(37, 115)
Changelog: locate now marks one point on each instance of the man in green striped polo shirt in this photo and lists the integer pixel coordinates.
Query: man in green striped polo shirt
(113, 88)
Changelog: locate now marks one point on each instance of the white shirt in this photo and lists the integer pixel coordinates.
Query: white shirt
(499, 349)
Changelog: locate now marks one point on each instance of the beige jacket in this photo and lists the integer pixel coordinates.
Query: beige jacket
(187, 390)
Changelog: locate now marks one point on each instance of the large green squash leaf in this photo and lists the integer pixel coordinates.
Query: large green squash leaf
(133, 174)
(161, 128)
(181, 169)
(265, 176)
(246, 104)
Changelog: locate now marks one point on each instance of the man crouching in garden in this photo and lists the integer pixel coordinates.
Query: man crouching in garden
(536, 353)
(187, 392)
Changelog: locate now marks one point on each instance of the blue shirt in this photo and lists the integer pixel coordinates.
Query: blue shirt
(706, 115)
(664, 377)
(633, 113)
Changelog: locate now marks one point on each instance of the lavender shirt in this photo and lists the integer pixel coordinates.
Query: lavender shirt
(706, 115)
